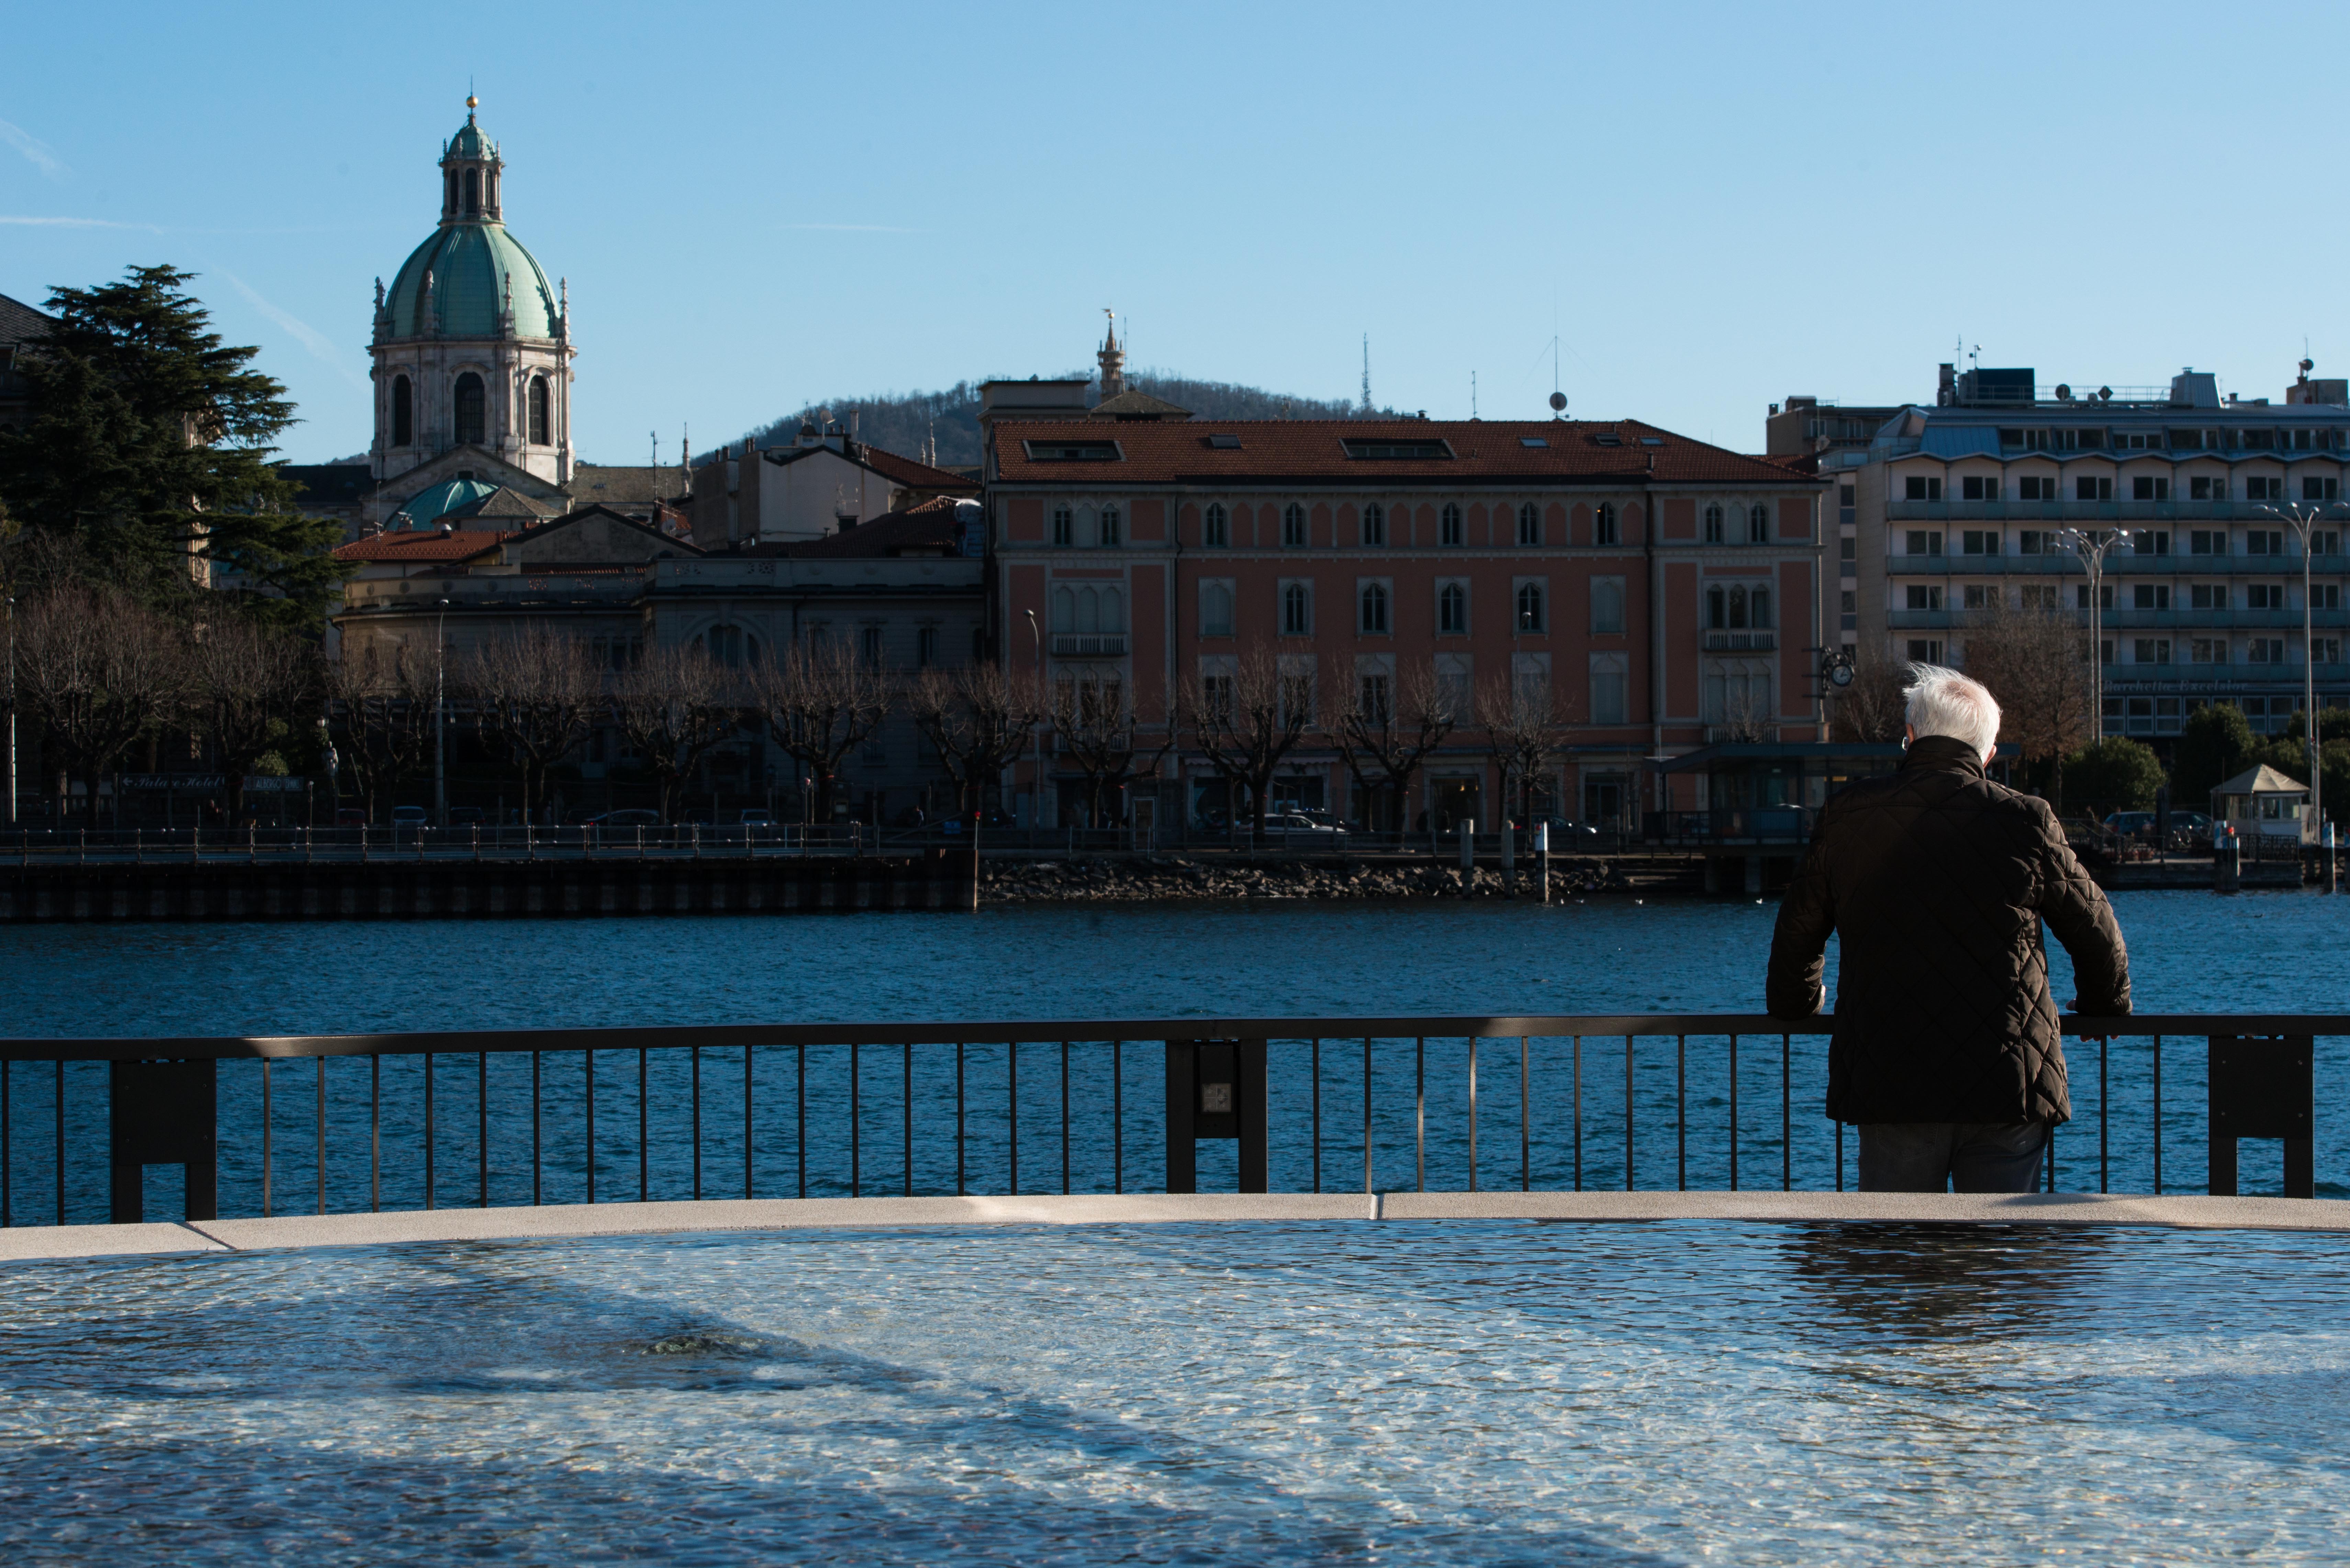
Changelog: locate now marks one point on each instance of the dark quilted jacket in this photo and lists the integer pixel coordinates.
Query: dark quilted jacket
(1937, 880)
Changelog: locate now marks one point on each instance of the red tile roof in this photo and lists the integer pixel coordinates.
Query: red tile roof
(1484, 452)
(927, 529)
(915, 475)
(422, 545)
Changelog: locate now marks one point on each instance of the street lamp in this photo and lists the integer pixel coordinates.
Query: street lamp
(2302, 519)
(440, 710)
(1037, 808)
(12, 710)
(2091, 545)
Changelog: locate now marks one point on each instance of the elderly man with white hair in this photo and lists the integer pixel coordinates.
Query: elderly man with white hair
(1946, 1052)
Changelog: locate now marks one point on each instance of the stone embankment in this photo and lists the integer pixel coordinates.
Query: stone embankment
(1175, 876)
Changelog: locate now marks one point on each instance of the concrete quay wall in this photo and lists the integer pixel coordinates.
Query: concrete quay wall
(396, 891)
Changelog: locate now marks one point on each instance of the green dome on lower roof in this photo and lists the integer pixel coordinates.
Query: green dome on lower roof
(426, 506)
(471, 263)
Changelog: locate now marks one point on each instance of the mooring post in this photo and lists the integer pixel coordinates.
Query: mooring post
(1468, 828)
(1215, 1089)
(1541, 848)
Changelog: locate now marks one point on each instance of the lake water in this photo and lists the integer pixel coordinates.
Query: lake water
(2190, 951)
(1456, 1393)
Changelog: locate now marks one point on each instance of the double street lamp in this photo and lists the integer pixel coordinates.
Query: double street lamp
(2302, 520)
(2091, 545)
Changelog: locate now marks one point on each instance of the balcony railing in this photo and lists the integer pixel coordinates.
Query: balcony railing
(507, 1118)
(1741, 641)
(2119, 562)
(1088, 644)
(2090, 512)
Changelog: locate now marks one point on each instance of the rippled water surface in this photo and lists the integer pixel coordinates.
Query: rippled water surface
(1445, 1393)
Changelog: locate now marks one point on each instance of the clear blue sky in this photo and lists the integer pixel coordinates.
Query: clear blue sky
(757, 206)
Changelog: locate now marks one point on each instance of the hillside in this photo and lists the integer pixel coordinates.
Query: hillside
(907, 423)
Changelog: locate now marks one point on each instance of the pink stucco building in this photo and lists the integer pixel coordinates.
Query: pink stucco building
(1664, 589)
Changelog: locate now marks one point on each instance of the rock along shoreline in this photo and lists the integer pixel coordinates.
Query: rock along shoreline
(1170, 878)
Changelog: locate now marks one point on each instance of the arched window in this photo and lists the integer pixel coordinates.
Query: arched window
(1215, 610)
(403, 412)
(1089, 610)
(1110, 523)
(1452, 610)
(1603, 524)
(1292, 526)
(724, 646)
(1064, 609)
(1375, 525)
(1713, 523)
(1113, 610)
(473, 409)
(1758, 608)
(1296, 611)
(472, 191)
(1737, 610)
(1758, 524)
(1216, 527)
(452, 192)
(1529, 524)
(1375, 608)
(538, 410)
(1529, 607)
(1065, 525)
(1448, 526)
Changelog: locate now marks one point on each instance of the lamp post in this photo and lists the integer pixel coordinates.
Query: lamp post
(2302, 519)
(12, 710)
(439, 712)
(2091, 545)
(1036, 810)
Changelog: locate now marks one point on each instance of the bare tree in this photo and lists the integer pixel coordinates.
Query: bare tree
(1525, 732)
(674, 706)
(1095, 730)
(1383, 727)
(380, 702)
(1745, 721)
(535, 695)
(1870, 709)
(246, 683)
(1246, 722)
(2036, 663)
(98, 670)
(820, 703)
(979, 719)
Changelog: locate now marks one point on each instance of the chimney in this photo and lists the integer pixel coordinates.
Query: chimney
(1946, 393)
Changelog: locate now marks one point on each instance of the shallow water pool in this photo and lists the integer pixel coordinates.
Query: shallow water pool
(1456, 1392)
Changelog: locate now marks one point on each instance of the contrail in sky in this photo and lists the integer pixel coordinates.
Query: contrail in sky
(38, 152)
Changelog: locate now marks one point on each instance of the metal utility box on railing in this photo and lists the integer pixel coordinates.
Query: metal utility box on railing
(162, 1113)
(1215, 1089)
(2264, 1087)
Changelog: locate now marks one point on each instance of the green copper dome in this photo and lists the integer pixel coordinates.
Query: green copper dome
(471, 264)
(426, 506)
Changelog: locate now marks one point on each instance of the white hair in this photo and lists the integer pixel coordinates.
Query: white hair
(1945, 702)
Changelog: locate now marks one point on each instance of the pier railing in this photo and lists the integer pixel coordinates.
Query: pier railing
(103, 1128)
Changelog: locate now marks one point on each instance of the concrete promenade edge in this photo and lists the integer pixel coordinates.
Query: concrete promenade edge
(29, 1243)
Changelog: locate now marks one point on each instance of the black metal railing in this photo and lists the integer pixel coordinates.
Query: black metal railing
(89, 1127)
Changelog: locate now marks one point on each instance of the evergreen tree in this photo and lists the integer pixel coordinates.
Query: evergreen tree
(149, 453)
(2214, 745)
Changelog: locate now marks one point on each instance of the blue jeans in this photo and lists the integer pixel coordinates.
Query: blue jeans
(1943, 1156)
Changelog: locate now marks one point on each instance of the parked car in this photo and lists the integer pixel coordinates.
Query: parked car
(631, 817)
(1566, 832)
(350, 816)
(1313, 825)
(467, 816)
(757, 816)
(408, 817)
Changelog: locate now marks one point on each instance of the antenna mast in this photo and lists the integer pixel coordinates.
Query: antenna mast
(1367, 373)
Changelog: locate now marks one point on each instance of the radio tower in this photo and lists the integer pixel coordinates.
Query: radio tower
(1366, 374)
